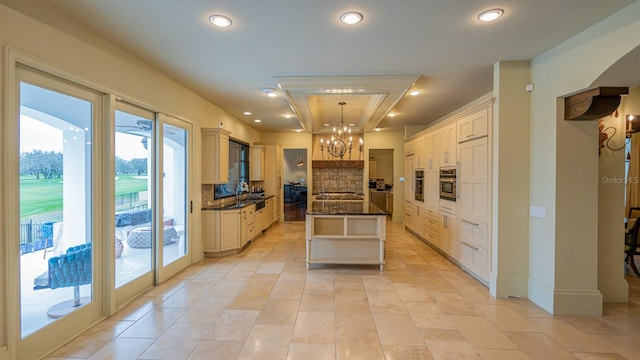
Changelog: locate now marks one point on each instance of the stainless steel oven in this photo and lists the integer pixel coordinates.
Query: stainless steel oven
(419, 179)
(448, 181)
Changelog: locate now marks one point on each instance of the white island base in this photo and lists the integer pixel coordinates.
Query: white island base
(345, 239)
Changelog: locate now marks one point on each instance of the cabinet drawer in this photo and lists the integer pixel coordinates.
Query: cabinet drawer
(474, 232)
(476, 259)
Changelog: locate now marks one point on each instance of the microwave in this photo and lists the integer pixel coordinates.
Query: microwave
(448, 180)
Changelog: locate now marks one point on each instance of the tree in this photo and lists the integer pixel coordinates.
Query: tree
(48, 164)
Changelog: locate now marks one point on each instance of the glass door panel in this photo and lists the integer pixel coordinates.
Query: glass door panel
(134, 182)
(173, 242)
(59, 275)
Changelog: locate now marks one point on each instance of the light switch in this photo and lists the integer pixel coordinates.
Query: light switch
(538, 211)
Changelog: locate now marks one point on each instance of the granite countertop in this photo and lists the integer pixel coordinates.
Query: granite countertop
(344, 208)
(233, 205)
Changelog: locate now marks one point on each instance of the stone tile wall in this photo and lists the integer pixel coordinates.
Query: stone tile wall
(338, 180)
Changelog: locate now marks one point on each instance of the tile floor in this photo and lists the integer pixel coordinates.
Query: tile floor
(264, 304)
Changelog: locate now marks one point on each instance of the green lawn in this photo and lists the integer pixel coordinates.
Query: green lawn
(45, 196)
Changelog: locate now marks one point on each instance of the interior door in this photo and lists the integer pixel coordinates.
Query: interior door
(55, 212)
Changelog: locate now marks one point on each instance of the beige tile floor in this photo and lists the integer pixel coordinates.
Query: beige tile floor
(264, 304)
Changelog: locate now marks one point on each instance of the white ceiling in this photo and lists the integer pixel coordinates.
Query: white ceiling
(313, 61)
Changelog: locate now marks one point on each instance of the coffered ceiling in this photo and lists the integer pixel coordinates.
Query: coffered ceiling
(313, 61)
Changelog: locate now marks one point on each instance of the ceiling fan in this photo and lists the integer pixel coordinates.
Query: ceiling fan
(143, 127)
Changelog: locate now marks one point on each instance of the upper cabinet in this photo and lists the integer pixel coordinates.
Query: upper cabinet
(431, 151)
(215, 156)
(257, 166)
(419, 149)
(473, 126)
(448, 145)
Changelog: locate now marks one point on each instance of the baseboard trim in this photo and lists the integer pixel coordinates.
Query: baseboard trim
(541, 294)
(509, 286)
(577, 302)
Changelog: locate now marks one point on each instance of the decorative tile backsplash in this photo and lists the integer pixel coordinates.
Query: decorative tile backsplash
(338, 180)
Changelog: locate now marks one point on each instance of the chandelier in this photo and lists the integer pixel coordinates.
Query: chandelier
(341, 141)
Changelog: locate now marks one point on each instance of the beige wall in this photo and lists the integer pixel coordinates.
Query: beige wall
(388, 140)
(563, 254)
(385, 166)
(510, 179)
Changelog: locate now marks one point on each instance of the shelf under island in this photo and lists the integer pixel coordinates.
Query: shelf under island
(339, 232)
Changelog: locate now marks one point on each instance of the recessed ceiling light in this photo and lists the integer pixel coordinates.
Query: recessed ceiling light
(391, 115)
(351, 18)
(414, 92)
(246, 113)
(352, 124)
(490, 15)
(220, 21)
(298, 130)
(325, 124)
(270, 92)
(257, 120)
(377, 129)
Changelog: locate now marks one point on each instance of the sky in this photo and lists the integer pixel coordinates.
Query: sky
(36, 135)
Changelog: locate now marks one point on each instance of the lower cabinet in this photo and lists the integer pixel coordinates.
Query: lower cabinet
(226, 230)
(473, 247)
(449, 234)
(247, 224)
(221, 230)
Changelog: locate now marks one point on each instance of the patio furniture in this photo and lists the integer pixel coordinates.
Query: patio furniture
(140, 238)
(70, 269)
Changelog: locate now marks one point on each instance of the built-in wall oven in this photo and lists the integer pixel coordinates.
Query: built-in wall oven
(419, 179)
(448, 181)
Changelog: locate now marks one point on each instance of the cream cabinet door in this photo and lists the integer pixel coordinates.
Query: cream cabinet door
(229, 229)
(215, 156)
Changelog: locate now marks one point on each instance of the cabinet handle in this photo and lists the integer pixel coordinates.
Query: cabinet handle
(469, 245)
(471, 222)
(471, 135)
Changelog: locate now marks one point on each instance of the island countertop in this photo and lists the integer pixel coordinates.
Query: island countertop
(344, 208)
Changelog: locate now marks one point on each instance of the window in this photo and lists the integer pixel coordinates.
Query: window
(238, 170)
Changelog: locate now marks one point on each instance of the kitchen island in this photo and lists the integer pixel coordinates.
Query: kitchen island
(340, 232)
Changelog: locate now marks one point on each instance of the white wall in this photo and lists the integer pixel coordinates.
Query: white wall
(563, 275)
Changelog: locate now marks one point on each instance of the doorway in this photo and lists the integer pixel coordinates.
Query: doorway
(381, 179)
(295, 193)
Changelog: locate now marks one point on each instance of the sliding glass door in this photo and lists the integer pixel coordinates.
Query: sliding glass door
(60, 289)
(175, 253)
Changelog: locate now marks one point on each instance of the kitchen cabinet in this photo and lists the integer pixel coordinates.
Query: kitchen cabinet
(409, 182)
(270, 211)
(221, 230)
(432, 170)
(257, 163)
(449, 234)
(419, 149)
(473, 206)
(247, 224)
(272, 183)
(430, 225)
(215, 156)
(389, 204)
(409, 214)
(473, 126)
(448, 145)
